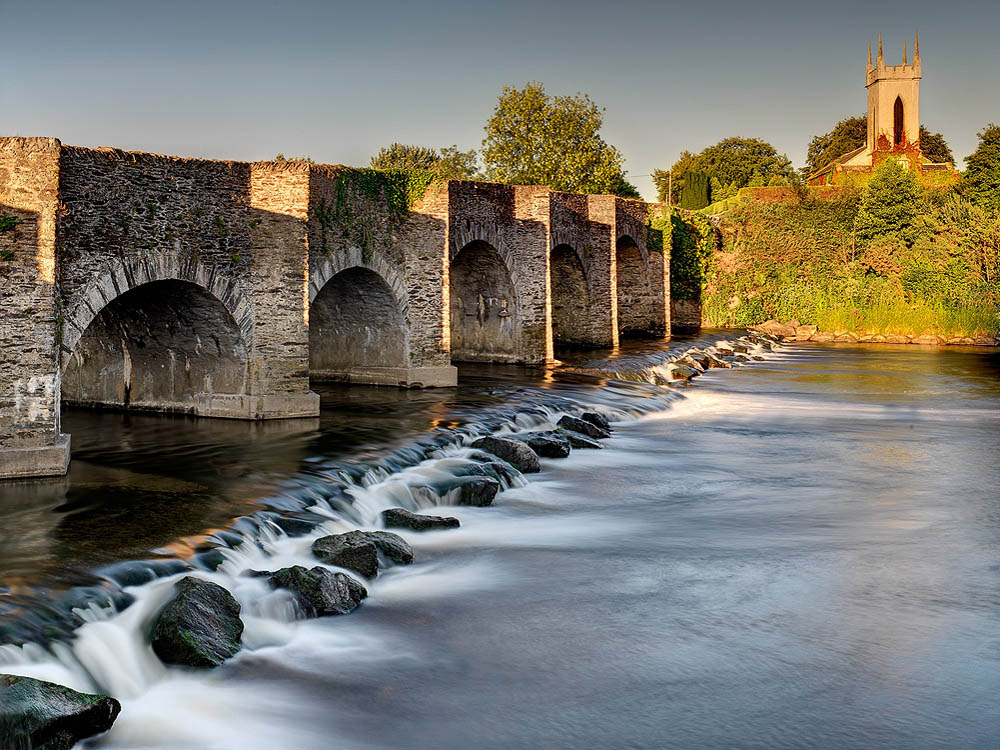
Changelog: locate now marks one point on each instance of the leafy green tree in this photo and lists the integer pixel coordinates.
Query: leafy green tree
(890, 204)
(731, 161)
(696, 192)
(852, 133)
(457, 165)
(847, 135)
(536, 139)
(282, 157)
(934, 147)
(403, 156)
(981, 181)
(448, 163)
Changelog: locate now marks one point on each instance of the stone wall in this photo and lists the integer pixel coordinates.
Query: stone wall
(498, 244)
(30, 440)
(581, 232)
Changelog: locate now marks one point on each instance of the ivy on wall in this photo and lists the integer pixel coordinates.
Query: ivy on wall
(693, 243)
(358, 196)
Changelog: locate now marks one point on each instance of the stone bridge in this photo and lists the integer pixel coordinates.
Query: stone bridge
(220, 288)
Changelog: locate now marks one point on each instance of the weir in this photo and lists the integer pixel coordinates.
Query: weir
(220, 289)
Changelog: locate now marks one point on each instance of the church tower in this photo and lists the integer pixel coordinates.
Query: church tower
(894, 105)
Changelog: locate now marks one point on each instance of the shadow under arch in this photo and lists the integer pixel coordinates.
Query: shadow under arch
(635, 292)
(157, 346)
(485, 320)
(357, 329)
(570, 298)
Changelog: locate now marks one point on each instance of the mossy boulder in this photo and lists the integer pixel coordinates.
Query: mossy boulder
(199, 627)
(320, 592)
(353, 550)
(39, 715)
(514, 452)
(400, 518)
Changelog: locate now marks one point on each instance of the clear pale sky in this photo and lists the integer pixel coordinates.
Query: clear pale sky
(336, 80)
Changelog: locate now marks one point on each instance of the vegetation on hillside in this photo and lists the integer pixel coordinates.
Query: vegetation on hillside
(981, 181)
(897, 256)
(536, 139)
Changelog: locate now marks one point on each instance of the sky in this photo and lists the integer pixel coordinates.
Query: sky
(335, 81)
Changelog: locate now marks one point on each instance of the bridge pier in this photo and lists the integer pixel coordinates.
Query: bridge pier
(31, 442)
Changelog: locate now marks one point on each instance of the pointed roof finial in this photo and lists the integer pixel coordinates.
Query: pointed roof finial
(869, 53)
(916, 45)
(904, 50)
(881, 60)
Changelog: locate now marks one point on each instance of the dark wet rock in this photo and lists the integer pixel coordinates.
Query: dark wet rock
(393, 546)
(514, 452)
(715, 362)
(138, 572)
(229, 538)
(477, 491)
(703, 360)
(597, 419)
(352, 550)
(199, 627)
(490, 466)
(320, 592)
(39, 715)
(683, 372)
(582, 426)
(577, 440)
(548, 444)
(399, 518)
(209, 560)
(294, 526)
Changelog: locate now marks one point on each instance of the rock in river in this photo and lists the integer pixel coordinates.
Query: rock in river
(399, 518)
(582, 426)
(45, 716)
(579, 441)
(319, 591)
(353, 550)
(199, 627)
(477, 491)
(393, 546)
(548, 444)
(514, 452)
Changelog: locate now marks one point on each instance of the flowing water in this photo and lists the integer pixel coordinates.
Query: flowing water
(801, 551)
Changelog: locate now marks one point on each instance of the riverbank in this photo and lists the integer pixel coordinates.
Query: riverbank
(793, 330)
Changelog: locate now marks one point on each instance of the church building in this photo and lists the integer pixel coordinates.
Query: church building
(893, 121)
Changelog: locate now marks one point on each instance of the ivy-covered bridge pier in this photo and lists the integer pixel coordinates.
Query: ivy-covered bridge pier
(219, 288)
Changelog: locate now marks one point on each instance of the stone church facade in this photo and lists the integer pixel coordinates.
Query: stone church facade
(893, 121)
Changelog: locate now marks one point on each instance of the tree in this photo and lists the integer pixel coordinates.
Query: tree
(457, 165)
(402, 156)
(934, 147)
(282, 157)
(696, 192)
(449, 163)
(847, 135)
(889, 204)
(852, 133)
(536, 139)
(981, 181)
(731, 161)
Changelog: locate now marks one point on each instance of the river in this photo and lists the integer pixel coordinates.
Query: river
(800, 551)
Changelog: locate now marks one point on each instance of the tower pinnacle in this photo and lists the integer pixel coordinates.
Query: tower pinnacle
(880, 60)
(904, 50)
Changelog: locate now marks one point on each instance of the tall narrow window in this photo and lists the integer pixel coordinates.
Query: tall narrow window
(897, 117)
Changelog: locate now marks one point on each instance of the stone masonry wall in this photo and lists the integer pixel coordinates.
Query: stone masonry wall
(29, 387)
(513, 221)
(581, 222)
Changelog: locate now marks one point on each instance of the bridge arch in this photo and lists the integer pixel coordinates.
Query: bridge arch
(635, 290)
(485, 315)
(154, 333)
(571, 314)
(358, 327)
